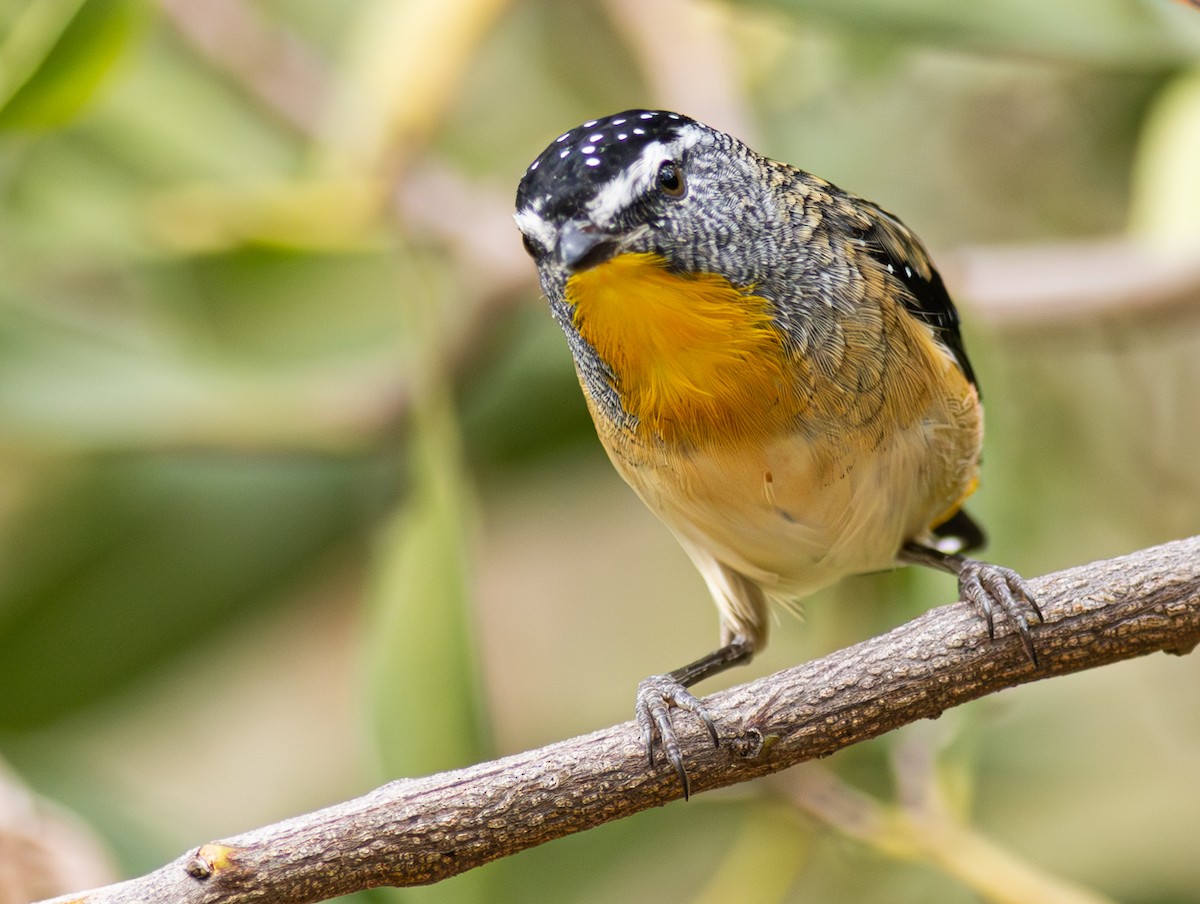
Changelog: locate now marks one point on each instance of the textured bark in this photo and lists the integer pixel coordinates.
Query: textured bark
(417, 831)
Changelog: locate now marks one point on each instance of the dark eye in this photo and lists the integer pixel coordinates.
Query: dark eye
(530, 246)
(670, 179)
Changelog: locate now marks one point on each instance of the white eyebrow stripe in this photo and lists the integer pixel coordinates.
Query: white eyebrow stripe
(619, 192)
(624, 188)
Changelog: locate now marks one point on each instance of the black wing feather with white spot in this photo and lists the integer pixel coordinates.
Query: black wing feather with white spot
(898, 250)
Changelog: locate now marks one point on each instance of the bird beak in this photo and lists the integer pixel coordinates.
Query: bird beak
(582, 246)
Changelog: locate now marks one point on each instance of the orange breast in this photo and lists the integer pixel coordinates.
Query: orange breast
(697, 360)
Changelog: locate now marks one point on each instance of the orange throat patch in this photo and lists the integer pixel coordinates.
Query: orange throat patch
(696, 360)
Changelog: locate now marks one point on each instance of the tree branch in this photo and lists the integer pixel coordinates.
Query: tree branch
(418, 831)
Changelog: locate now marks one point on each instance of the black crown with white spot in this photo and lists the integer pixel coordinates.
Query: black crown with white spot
(593, 153)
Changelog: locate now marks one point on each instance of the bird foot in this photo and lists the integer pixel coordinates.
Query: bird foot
(988, 587)
(656, 697)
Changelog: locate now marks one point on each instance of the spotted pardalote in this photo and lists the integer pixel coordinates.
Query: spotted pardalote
(772, 364)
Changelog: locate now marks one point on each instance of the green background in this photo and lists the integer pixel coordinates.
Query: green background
(298, 493)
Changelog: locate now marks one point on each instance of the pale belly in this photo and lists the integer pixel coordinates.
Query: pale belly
(791, 516)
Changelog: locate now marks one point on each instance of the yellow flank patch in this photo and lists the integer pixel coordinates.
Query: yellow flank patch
(953, 510)
(696, 359)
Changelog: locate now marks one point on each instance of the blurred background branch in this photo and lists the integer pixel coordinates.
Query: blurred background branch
(269, 61)
(44, 848)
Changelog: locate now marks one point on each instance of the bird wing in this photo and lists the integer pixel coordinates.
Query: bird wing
(900, 253)
(903, 256)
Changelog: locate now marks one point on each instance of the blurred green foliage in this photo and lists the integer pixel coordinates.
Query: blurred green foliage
(56, 56)
(297, 491)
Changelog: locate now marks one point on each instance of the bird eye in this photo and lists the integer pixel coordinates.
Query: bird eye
(530, 246)
(670, 179)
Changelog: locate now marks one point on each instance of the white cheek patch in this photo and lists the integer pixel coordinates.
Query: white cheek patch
(532, 224)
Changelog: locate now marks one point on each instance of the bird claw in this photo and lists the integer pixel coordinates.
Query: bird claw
(656, 697)
(987, 586)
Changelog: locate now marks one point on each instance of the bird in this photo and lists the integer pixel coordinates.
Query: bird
(776, 368)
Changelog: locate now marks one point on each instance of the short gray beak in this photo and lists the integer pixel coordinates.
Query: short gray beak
(582, 245)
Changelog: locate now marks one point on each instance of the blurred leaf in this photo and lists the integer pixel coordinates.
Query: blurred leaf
(763, 861)
(423, 674)
(128, 560)
(682, 852)
(1115, 33)
(250, 349)
(1166, 187)
(562, 30)
(522, 403)
(426, 698)
(312, 214)
(56, 57)
(403, 61)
